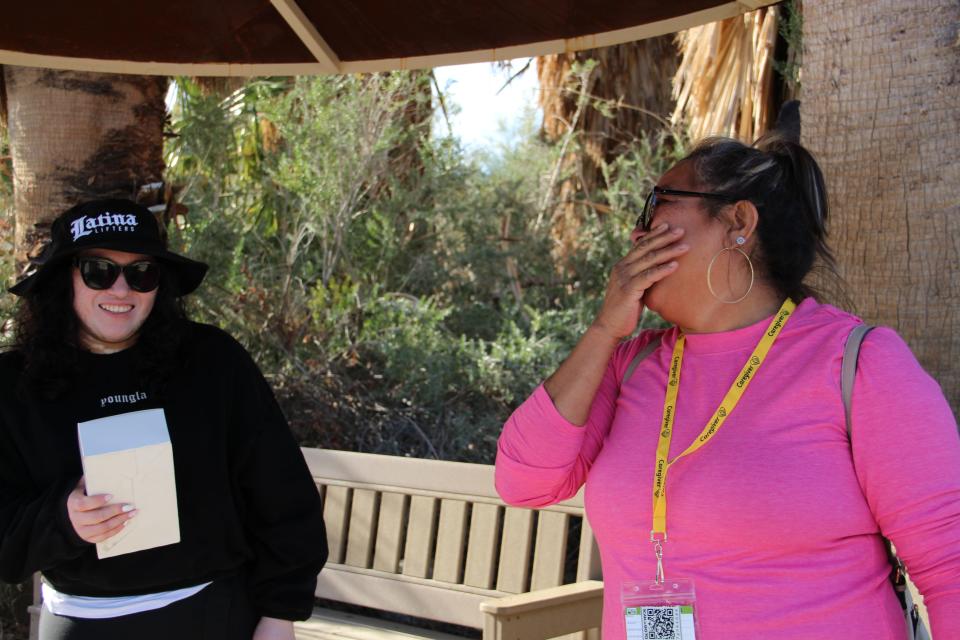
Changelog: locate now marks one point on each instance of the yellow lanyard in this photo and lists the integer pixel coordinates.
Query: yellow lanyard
(739, 386)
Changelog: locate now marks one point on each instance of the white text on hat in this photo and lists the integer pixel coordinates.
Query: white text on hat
(84, 226)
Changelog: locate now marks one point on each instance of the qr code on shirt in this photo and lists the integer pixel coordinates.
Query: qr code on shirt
(661, 623)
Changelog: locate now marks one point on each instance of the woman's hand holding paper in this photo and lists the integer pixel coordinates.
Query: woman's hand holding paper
(93, 518)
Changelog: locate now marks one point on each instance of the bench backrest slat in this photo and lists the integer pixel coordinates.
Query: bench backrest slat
(336, 515)
(482, 552)
(550, 552)
(361, 533)
(588, 561)
(391, 526)
(451, 541)
(421, 532)
(514, 571)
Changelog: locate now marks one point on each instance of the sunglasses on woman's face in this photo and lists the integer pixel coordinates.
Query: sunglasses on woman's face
(100, 273)
(649, 207)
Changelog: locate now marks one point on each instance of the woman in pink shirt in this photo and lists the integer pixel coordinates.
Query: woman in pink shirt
(740, 472)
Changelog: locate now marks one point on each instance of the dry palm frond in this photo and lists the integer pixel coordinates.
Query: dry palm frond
(603, 109)
(631, 80)
(218, 86)
(415, 116)
(724, 83)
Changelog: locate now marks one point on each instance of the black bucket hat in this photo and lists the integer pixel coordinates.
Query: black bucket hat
(120, 225)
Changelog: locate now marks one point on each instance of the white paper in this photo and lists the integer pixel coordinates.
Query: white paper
(130, 457)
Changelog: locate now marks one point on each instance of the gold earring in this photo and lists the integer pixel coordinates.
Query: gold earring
(740, 242)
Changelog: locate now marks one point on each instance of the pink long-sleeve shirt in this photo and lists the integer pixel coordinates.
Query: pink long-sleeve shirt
(778, 529)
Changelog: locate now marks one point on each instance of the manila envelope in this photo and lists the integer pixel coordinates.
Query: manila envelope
(130, 457)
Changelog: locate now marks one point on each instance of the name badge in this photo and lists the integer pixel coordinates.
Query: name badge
(660, 611)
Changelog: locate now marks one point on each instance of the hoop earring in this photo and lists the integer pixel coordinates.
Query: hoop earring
(710, 269)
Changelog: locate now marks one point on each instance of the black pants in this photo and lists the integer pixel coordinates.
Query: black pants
(221, 611)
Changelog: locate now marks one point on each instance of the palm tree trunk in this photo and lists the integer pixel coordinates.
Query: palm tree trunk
(882, 113)
(77, 136)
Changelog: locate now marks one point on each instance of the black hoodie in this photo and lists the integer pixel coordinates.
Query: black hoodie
(247, 503)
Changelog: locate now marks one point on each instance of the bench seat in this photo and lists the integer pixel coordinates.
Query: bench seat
(327, 624)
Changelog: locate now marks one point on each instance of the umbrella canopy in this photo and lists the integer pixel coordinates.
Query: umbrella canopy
(300, 37)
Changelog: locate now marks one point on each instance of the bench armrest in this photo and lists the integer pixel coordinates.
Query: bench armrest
(545, 613)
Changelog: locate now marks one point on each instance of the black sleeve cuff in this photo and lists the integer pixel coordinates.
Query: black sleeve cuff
(63, 519)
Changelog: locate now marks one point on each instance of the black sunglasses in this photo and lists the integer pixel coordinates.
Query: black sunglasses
(649, 207)
(100, 273)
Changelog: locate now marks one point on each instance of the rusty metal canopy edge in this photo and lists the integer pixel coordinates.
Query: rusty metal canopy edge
(307, 37)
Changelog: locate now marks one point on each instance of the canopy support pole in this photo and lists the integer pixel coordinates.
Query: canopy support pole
(308, 34)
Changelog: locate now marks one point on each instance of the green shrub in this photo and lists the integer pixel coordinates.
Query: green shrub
(399, 294)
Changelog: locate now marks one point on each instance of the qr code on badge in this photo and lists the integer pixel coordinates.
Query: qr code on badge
(661, 623)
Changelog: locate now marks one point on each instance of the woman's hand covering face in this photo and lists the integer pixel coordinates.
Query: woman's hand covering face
(651, 259)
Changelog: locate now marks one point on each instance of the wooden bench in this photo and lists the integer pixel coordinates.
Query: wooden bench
(431, 539)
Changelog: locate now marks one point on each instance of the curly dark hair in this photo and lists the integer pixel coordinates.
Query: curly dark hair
(46, 336)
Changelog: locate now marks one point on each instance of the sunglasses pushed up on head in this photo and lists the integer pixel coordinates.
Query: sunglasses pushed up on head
(100, 273)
